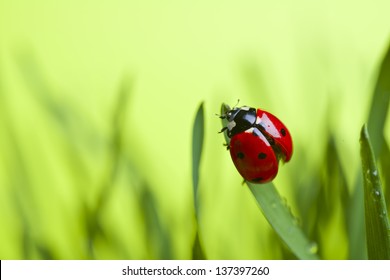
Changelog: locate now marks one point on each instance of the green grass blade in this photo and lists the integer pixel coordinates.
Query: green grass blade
(282, 221)
(379, 105)
(355, 222)
(384, 162)
(197, 145)
(331, 205)
(279, 215)
(197, 249)
(375, 125)
(93, 215)
(377, 223)
(160, 242)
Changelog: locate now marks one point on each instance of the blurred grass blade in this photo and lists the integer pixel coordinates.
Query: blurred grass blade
(355, 222)
(379, 105)
(279, 215)
(197, 145)
(160, 242)
(93, 215)
(377, 223)
(197, 249)
(331, 204)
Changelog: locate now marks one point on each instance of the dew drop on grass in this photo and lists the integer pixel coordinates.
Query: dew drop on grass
(383, 214)
(375, 173)
(367, 175)
(297, 221)
(313, 248)
(375, 194)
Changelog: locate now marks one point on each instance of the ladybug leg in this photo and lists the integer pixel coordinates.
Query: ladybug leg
(223, 129)
(243, 182)
(227, 146)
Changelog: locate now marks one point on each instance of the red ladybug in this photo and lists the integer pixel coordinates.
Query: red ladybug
(258, 140)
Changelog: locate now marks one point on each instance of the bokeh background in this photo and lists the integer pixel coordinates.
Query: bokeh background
(97, 104)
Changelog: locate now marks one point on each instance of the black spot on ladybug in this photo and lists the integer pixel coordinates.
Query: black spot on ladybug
(283, 131)
(240, 155)
(261, 156)
(258, 179)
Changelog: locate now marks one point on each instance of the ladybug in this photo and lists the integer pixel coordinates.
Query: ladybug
(258, 140)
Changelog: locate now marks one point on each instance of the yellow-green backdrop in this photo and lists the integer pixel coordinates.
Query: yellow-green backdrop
(98, 100)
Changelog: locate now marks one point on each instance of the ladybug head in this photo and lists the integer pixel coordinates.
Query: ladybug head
(239, 119)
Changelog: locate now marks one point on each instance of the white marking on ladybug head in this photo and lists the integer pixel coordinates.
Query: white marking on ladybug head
(230, 125)
(245, 108)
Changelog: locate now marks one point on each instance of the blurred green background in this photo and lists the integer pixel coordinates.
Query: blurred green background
(97, 105)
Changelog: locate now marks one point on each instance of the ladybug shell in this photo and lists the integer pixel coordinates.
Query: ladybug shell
(253, 156)
(277, 132)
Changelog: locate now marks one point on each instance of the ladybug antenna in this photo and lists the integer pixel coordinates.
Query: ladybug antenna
(238, 101)
(221, 116)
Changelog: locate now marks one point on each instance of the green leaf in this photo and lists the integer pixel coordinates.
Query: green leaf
(282, 221)
(159, 241)
(332, 205)
(379, 106)
(197, 145)
(197, 249)
(355, 222)
(377, 223)
(384, 162)
(279, 215)
(376, 121)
